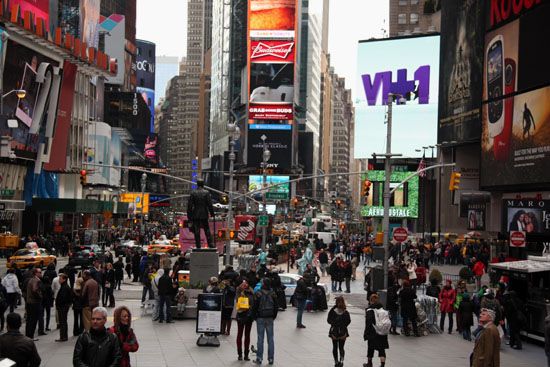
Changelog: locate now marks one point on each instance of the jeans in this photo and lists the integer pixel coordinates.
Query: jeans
(324, 269)
(442, 321)
(393, 319)
(301, 305)
(467, 333)
(348, 280)
(165, 300)
(265, 325)
(48, 313)
(155, 315)
(147, 289)
(334, 285)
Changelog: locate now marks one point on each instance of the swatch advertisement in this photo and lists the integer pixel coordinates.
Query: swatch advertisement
(516, 109)
(407, 66)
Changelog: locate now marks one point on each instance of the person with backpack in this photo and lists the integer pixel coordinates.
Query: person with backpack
(245, 301)
(339, 319)
(377, 327)
(265, 311)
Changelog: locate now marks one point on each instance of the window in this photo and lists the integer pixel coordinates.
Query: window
(402, 19)
(402, 2)
(414, 2)
(414, 18)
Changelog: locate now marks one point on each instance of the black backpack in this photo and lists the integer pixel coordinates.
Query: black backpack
(267, 306)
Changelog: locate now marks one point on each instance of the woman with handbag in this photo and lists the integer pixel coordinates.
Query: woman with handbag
(245, 300)
(339, 319)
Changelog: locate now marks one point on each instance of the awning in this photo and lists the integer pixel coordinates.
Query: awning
(85, 206)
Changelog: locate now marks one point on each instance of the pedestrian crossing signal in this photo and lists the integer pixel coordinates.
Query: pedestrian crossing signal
(221, 234)
(83, 179)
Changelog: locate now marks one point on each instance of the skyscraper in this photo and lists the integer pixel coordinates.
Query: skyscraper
(414, 17)
(167, 67)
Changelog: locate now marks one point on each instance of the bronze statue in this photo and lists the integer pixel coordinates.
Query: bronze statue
(199, 207)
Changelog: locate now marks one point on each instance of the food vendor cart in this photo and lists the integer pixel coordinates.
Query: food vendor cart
(531, 280)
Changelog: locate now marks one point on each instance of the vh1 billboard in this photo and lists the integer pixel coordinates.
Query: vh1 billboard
(408, 66)
(515, 139)
(271, 60)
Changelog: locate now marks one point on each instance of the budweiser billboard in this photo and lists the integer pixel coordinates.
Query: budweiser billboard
(264, 111)
(272, 51)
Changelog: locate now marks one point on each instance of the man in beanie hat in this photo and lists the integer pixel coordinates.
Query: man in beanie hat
(487, 344)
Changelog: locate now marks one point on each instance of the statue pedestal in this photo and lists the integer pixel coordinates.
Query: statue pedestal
(203, 265)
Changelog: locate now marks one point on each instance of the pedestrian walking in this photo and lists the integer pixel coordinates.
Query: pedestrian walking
(13, 292)
(33, 301)
(122, 328)
(228, 303)
(165, 291)
(515, 316)
(447, 298)
(323, 262)
(376, 339)
(466, 311)
(487, 342)
(347, 273)
(147, 282)
(339, 319)
(63, 301)
(154, 287)
(90, 298)
(300, 297)
(96, 347)
(47, 304)
(109, 280)
(265, 312)
(118, 266)
(245, 303)
(407, 295)
(478, 269)
(78, 318)
(16, 346)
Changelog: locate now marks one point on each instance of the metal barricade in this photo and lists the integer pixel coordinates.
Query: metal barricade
(245, 261)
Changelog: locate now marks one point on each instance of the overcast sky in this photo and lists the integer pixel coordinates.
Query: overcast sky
(164, 22)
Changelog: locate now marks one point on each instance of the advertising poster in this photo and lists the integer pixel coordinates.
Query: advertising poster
(279, 192)
(151, 148)
(89, 22)
(271, 57)
(114, 26)
(516, 109)
(209, 313)
(529, 216)
(404, 201)
(99, 152)
(116, 156)
(461, 71)
(148, 96)
(279, 142)
(406, 65)
(145, 64)
(135, 203)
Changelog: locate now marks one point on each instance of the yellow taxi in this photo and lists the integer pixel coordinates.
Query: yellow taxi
(26, 257)
(162, 248)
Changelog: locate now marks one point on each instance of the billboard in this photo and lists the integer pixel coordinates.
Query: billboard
(271, 57)
(515, 143)
(406, 65)
(145, 64)
(148, 96)
(151, 149)
(89, 22)
(134, 200)
(115, 33)
(404, 201)
(461, 71)
(529, 216)
(280, 192)
(40, 8)
(279, 142)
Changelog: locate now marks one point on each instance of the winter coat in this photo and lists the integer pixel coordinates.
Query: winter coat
(301, 291)
(433, 291)
(64, 296)
(375, 340)
(128, 344)
(392, 303)
(487, 348)
(11, 283)
(406, 300)
(119, 270)
(97, 349)
(245, 316)
(339, 321)
(466, 311)
(447, 298)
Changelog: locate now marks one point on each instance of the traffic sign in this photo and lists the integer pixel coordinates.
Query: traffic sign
(517, 239)
(276, 195)
(309, 222)
(400, 234)
(263, 221)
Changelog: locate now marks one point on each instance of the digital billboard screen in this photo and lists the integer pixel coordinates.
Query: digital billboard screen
(279, 192)
(279, 143)
(400, 66)
(515, 143)
(461, 71)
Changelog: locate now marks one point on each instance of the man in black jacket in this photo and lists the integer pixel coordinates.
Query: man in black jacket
(265, 310)
(16, 346)
(300, 296)
(198, 208)
(165, 290)
(63, 302)
(97, 347)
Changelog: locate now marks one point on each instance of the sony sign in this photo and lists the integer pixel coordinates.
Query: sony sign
(419, 85)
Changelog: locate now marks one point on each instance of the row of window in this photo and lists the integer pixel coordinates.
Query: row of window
(413, 18)
(405, 2)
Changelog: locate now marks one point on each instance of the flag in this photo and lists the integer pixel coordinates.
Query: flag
(421, 166)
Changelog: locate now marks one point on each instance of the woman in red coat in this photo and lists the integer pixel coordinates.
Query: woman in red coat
(126, 337)
(447, 298)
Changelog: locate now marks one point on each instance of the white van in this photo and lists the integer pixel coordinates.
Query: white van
(327, 237)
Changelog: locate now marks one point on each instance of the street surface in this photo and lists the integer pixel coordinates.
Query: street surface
(175, 344)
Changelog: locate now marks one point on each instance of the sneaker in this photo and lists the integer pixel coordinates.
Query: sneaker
(257, 361)
(270, 361)
(301, 326)
(170, 322)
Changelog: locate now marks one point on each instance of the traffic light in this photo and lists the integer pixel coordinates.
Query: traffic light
(83, 177)
(232, 234)
(366, 188)
(224, 199)
(221, 234)
(454, 184)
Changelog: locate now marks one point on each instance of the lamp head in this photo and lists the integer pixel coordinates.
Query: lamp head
(21, 93)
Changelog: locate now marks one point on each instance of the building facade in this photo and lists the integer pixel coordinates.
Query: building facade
(414, 16)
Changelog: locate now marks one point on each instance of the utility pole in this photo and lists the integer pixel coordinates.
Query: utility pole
(266, 155)
(143, 185)
(234, 134)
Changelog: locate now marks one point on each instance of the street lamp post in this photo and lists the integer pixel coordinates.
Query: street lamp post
(265, 158)
(387, 194)
(143, 185)
(21, 93)
(234, 135)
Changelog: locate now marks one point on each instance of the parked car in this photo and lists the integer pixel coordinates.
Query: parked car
(289, 280)
(29, 257)
(85, 255)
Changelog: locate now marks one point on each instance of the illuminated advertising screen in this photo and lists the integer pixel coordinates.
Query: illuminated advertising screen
(134, 200)
(515, 143)
(403, 202)
(405, 66)
(279, 143)
(279, 192)
(461, 71)
(529, 216)
(271, 57)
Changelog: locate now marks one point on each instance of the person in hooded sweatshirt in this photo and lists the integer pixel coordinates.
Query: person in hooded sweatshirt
(11, 283)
